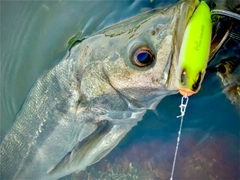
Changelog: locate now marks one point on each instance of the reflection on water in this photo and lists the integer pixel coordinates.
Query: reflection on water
(35, 34)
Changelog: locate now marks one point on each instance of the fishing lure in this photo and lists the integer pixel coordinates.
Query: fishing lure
(194, 52)
(193, 60)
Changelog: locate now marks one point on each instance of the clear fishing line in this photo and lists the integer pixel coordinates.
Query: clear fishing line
(183, 106)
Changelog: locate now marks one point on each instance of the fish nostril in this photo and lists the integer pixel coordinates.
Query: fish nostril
(153, 32)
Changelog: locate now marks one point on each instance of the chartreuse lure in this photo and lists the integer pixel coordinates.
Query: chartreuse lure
(194, 51)
(193, 60)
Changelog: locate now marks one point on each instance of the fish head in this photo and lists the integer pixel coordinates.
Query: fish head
(136, 58)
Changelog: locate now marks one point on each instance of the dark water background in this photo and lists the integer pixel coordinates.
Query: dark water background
(34, 34)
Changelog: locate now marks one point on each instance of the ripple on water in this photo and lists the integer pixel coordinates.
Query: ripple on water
(11, 44)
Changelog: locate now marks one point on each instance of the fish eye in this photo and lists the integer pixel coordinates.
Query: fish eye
(196, 85)
(143, 56)
(183, 77)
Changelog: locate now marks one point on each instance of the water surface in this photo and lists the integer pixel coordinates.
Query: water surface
(35, 34)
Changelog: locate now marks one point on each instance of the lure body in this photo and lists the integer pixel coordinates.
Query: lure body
(194, 52)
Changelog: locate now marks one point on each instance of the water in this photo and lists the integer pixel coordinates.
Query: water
(34, 34)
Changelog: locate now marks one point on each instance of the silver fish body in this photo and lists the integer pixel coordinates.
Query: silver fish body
(78, 111)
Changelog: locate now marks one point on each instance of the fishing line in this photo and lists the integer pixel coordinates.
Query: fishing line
(183, 106)
(196, 45)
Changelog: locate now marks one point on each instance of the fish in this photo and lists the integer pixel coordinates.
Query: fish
(79, 110)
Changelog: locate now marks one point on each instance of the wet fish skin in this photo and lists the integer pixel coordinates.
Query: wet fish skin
(76, 155)
(95, 82)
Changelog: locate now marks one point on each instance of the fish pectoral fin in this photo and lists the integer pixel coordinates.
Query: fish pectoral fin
(79, 153)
